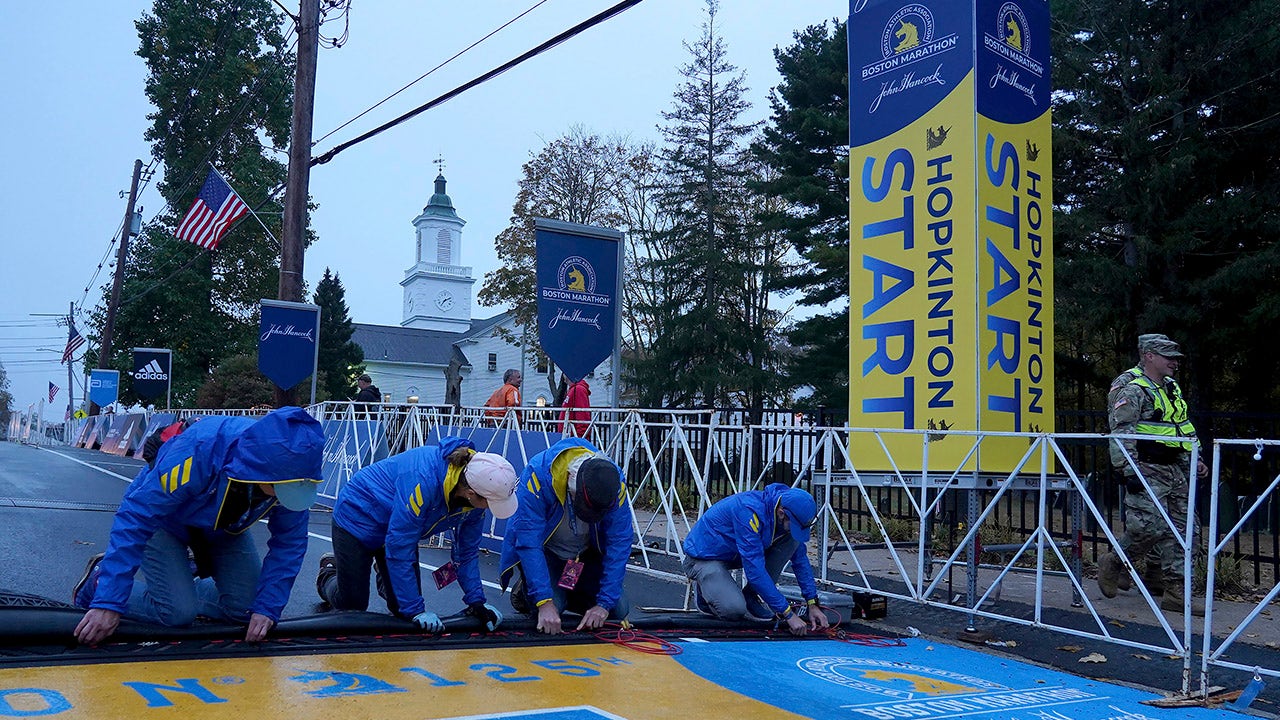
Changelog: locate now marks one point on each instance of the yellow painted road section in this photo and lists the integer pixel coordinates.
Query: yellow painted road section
(618, 682)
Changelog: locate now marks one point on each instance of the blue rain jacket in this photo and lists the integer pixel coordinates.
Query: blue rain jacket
(542, 509)
(398, 501)
(189, 484)
(737, 530)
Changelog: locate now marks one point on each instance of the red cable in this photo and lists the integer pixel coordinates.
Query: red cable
(630, 638)
(833, 632)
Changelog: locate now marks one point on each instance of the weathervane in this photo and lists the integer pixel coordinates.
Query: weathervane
(440, 164)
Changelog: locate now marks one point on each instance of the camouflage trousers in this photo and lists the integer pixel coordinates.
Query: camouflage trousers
(1146, 532)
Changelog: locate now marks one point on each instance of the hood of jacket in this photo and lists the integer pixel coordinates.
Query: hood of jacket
(287, 444)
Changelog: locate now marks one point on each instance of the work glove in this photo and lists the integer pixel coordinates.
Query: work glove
(428, 621)
(486, 614)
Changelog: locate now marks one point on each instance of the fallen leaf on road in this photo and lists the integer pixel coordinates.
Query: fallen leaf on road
(1117, 623)
(1071, 648)
(1093, 658)
(1140, 656)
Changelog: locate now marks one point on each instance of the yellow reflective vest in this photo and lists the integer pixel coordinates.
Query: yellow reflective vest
(1170, 419)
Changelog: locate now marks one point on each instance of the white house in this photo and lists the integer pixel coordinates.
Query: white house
(414, 358)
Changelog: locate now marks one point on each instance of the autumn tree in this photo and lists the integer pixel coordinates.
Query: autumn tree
(574, 178)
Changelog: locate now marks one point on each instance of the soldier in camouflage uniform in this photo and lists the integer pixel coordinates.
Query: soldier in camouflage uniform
(1146, 400)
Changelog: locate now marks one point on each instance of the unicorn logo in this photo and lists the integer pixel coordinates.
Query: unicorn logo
(577, 281)
(1014, 33)
(908, 35)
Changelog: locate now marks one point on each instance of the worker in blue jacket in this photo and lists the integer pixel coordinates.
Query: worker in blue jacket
(758, 531)
(386, 508)
(570, 538)
(209, 485)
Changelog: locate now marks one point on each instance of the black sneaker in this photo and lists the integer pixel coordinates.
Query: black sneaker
(519, 601)
(328, 568)
(88, 585)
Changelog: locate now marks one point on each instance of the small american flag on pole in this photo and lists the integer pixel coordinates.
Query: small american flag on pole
(53, 390)
(215, 209)
(74, 341)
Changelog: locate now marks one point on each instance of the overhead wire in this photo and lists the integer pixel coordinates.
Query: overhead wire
(423, 76)
(549, 44)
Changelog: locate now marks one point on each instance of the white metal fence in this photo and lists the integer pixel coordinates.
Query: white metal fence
(902, 534)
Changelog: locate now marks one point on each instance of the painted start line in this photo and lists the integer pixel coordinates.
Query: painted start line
(821, 679)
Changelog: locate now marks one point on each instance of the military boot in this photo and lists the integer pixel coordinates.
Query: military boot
(1173, 601)
(1153, 579)
(1109, 571)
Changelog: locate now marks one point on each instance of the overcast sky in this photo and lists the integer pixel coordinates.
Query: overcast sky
(76, 114)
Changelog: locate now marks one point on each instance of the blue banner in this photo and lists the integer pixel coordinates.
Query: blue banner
(349, 446)
(578, 294)
(287, 341)
(104, 387)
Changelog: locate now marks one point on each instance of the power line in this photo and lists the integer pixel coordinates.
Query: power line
(456, 55)
(575, 30)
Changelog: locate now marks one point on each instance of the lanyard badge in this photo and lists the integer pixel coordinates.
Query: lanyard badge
(572, 571)
(445, 575)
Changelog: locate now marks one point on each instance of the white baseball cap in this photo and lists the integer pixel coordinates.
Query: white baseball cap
(493, 478)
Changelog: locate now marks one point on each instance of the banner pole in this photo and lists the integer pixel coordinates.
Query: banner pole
(315, 362)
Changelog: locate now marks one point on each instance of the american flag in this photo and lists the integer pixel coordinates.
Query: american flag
(216, 208)
(53, 390)
(74, 341)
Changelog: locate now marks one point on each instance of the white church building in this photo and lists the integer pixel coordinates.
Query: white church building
(412, 362)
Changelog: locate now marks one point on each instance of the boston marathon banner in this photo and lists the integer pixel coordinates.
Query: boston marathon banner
(151, 368)
(288, 343)
(578, 294)
(950, 238)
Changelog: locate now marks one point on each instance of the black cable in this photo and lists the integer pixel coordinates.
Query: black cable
(575, 30)
(456, 55)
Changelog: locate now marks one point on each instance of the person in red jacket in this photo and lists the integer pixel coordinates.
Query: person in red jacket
(579, 396)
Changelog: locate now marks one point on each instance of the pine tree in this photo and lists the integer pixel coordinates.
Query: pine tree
(704, 330)
(806, 142)
(341, 360)
(1167, 184)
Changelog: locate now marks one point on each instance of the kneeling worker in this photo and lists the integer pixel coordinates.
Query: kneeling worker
(209, 486)
(758, 531)
(570, 538)
(386, 508)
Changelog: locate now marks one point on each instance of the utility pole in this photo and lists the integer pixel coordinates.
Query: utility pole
(71, 386)
(296, 191)
(104, 352)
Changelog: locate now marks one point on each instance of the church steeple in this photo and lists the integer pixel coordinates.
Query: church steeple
(437, 288)
(440, 204)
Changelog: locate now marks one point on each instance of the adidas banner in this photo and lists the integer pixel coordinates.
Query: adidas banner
(151, 369)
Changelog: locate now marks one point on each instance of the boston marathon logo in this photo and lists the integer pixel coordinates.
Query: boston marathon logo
(152, 371)
(917, 691)
(909, 37)
(576, 283)
(1011, 40)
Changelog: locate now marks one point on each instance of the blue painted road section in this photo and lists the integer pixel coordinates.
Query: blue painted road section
(923, 681)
